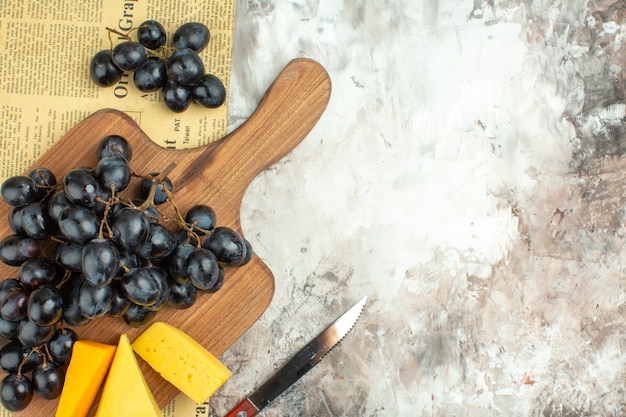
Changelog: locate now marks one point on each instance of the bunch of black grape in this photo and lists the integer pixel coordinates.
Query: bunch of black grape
(85, 249)
(177, 70)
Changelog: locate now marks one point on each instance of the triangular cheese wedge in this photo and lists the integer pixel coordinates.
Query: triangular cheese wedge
(181, 360)
(125, 392)
(85, 373)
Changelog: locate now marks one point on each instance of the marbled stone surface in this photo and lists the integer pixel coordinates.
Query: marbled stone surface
(469, 177)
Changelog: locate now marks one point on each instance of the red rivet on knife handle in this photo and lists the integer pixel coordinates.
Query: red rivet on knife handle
(244, 409)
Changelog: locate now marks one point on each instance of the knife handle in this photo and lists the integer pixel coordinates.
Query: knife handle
(244, 409)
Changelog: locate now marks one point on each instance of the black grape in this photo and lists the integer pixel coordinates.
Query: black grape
(37, 271)
(45, 305)
(14, 355)
(130, 229)
(192, 35)
(137, 316)
(78, 224)
(33, 335)
(114, 144)
(81, 187)
(228, 246)
(185, 67)
(48, 380)
(151, 34)
(182, 295)
(113, 172)
(160, 196)
(209, 91)
(60, 345)
(100, 261)
(129, 55)
(36, 222)
(94, 301)
(202, 268)
(103, 70)
(14, 306)
(151, 76)
(19, 190)
(177, 97)
(16, 392)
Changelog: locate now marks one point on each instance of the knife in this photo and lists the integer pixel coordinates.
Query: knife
(301, 363)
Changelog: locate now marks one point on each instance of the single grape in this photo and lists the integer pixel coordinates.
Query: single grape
(93, 300)
(182, 295)
(114, 144)
(177, 97)
(159, 243)
(45, 305)
(8, 329)
(160, 196)
(129, 55)
(71, 311)
(61, 344)
(119, 301)
(137, 316)
(69, 256)
(202, 268)
(176, 262)
(100, 261)
(48, 380)
(129, 260)
(192, 35)
(14, 355)
(9, 285)
(202, 218)
(228, 246)
(33, 335)
(151, 75)
(220, 281)
(185, 67)
(36, 222)
(81, 187)
(37, 271)
(19, 190)
(45, 181)
(13, 307)
(15, 220)
(16, 392)
(130, 229)
(58, 201)
(209, 92)
(103, 70)
(113, 171)
(78, 224)
(142, 286)
(151, 34)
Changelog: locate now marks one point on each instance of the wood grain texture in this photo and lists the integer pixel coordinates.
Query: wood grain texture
(217, 175)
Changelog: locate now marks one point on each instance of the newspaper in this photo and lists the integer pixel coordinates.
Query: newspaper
(45, 87)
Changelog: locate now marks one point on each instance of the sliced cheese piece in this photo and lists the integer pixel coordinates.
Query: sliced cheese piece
(125, 392)
(182, 361)
(88, 366)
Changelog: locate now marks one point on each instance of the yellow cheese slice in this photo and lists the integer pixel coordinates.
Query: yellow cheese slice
(88, 366)
(125, 392)
(182, 361)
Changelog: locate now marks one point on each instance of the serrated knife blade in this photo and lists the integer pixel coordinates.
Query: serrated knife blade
(301, 363)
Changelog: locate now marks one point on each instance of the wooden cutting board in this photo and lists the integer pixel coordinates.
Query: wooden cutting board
(217, 175)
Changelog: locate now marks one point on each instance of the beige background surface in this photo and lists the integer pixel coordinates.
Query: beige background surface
(468, 176)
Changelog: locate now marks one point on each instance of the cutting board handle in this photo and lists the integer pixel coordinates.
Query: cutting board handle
(288, 111)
